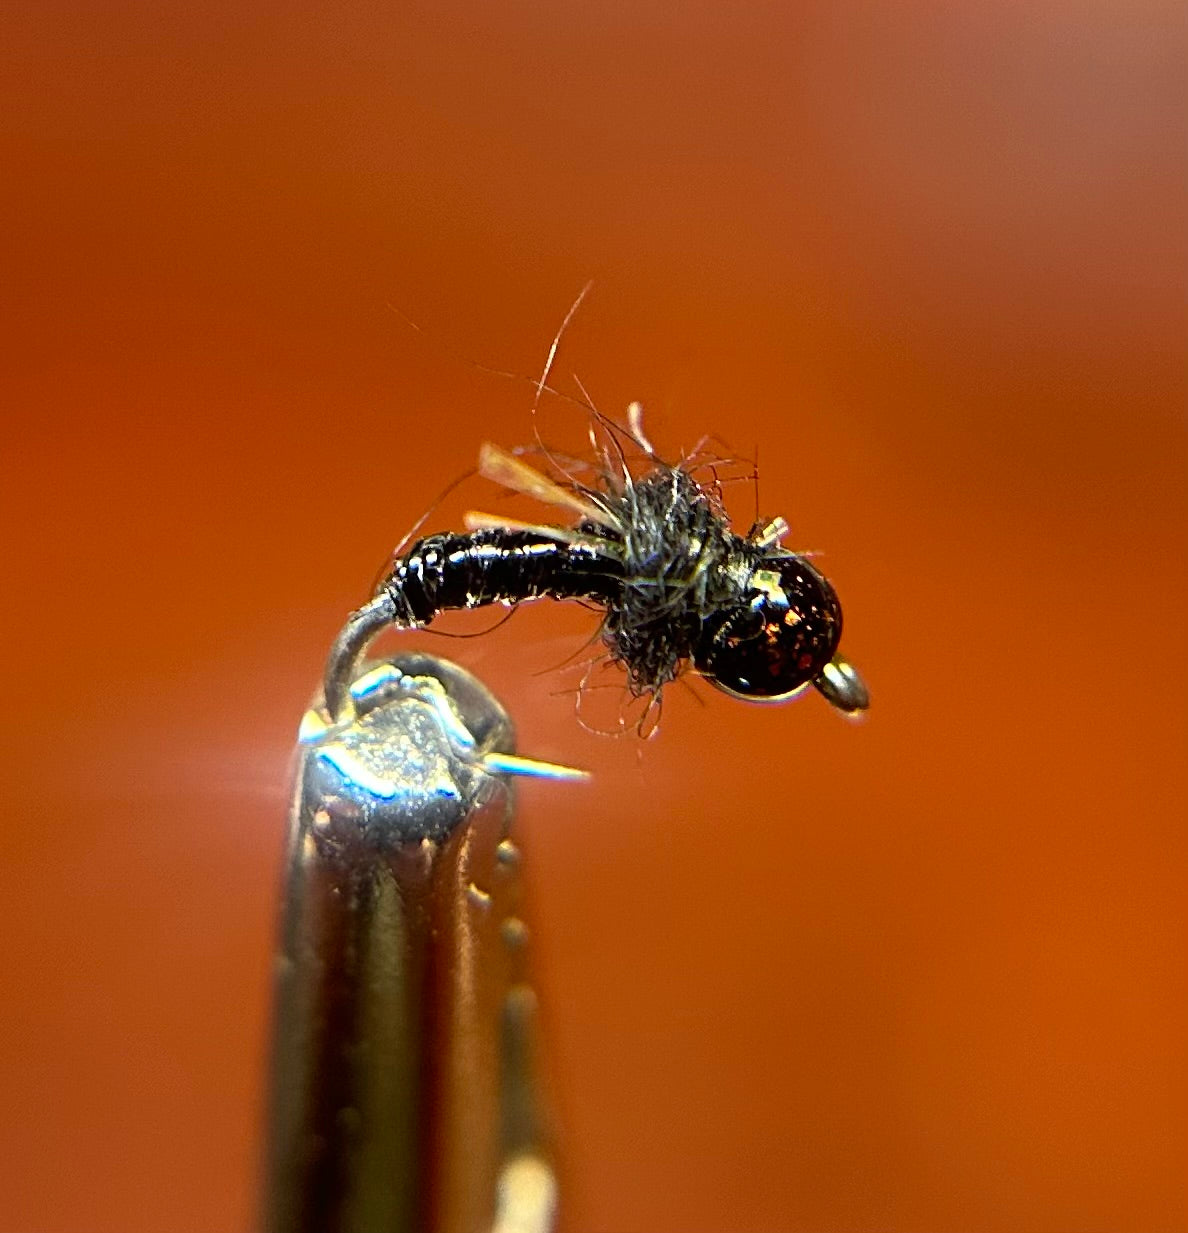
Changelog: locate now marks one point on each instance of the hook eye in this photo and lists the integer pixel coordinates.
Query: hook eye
(842, 687)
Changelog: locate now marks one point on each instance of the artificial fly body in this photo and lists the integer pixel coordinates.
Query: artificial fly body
(653, 547)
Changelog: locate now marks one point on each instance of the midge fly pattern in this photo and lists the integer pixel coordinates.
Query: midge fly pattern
(652, 546)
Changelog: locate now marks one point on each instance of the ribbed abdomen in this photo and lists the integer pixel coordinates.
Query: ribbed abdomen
(496, 566)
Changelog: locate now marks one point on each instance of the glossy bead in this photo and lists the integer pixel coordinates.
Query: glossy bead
(779, 638)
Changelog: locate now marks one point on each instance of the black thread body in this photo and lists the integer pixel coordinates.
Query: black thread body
(492, 566)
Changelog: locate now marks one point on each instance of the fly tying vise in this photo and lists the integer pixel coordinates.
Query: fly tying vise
(655, 550)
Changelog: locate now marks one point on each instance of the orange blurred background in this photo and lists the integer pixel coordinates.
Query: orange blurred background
(924, 973)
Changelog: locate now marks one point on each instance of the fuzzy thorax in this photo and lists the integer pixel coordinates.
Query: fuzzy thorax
(680, 562)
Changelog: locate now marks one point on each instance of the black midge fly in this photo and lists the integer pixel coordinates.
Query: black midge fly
(653, 547)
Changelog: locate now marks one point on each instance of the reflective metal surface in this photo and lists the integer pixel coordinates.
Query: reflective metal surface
(402, 1090)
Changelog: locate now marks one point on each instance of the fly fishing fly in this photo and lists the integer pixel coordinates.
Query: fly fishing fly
(651, 544)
